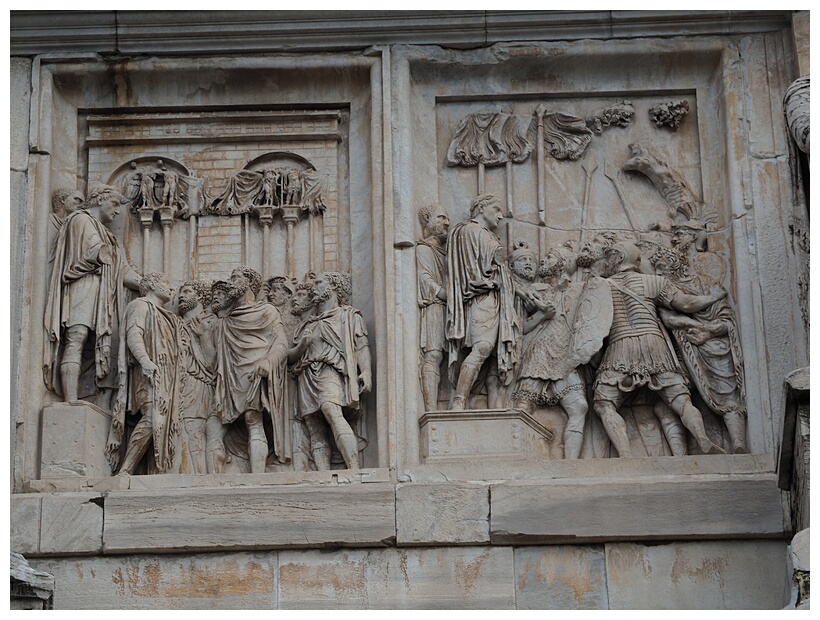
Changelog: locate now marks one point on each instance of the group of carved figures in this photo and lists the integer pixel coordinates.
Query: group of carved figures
(619, 317)
(267, 372)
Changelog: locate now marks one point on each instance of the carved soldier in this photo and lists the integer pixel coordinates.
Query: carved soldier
(431, 270)
(169, 187)
(639, 353)
(332, 363)
(64, 201)
(149, 372)
(481, 312)
(279, 292)
(250, 365)
(86, 296)
(269, 178)
(203, 427)
(523, 269)
(294, 181)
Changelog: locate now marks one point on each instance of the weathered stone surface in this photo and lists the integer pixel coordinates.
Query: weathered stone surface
(74, 436)
(30, 589)
(442, 513)
(72, 523)
(212, 581)
(800, 550)
(560, 577)
(25, 523)
(438, 578)
(697, 575)
(210, 519)
(648, 509)
(20, 110)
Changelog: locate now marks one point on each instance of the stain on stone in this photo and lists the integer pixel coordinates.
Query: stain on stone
(710, 569)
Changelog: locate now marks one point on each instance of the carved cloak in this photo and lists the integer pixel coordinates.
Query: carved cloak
(431, 266)
(76, 255)
(476, 268)
(251, 336)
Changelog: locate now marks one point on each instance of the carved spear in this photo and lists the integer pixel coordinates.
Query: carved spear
(589, 168)
(611, 173)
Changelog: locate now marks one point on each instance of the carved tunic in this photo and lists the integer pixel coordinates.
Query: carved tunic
(480, 296)
(637, 346)
(329, 369)
(198, 379)
(431, 266)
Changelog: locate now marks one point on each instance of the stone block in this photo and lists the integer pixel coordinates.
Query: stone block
(640, 509)
(72, 523)
(561, 577)
(259, 518)
(799, 549)
(443, 513)
(20, 78)
(25, 523)
(204, 581)
(434, 578)
(697, 575)
(73, 441)
(506, 434)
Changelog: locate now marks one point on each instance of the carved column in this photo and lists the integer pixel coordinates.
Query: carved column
(166, 218)
(146, 219)
(290, 215)
(265, 219)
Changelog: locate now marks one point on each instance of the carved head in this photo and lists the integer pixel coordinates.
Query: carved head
(331, 282)
(243, 278)
(486, 208)
(156, 283)
(688, 233)
(303, 298)
(66, 200)
(434, 220)
(221, 295)
(523, 260)
(193, 292)
(108, 200)
(279, 290)
(624, 256)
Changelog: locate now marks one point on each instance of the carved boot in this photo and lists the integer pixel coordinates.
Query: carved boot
(672, 430)
(70, 375)
(321, 458)
(429, 385)
(736, 425)
(693, 421)
(348, 446)
(466, 379)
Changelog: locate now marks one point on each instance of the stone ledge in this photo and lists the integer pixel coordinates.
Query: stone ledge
(249, 518)
(442, 513)
(660, 508)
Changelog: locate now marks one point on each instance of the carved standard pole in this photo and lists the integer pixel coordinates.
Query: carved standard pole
(480, 178)
(166, 216)
(290, 215)
(312, 240)
(191, 246)
(539, 148)
(266, 219)
(508, 167)
(146, 219)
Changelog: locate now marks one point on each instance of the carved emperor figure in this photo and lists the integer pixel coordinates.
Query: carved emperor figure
(639, 353)
(86, 295)
(481, 312)
(332, 363)
(431, 270)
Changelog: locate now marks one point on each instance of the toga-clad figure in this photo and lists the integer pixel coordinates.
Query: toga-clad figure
(332, 365)
(86, 296)
(481, 314)
(250, 367)
(431, 270)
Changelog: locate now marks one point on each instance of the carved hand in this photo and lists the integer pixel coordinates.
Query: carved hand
(697, 336)
(263, 371)
(365, 383)
(150, 370)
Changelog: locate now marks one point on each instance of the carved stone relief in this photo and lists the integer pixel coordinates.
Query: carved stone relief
(620, 341)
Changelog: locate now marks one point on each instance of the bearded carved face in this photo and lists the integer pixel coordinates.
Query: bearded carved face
(302, 301)
(322, 290)
(439, 225)
(188, 299)
(524, 266)
(222, 300)
(278, 295)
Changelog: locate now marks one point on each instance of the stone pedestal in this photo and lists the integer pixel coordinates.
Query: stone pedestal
(73, 441)
(486, 433)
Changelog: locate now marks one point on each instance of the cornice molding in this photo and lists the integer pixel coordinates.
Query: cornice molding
(226, 32)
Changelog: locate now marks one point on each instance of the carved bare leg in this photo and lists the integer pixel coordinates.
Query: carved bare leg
(672, 428)
(736, 425)
(195, 431)
(214, 448)
(469, 372)
(614, 425)
(75, 338)
(138, 443)
(496, 397)
(692, 420)
(575, 405)
(257, 442)
(343, 434)
(319, 443)
(430, 377)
